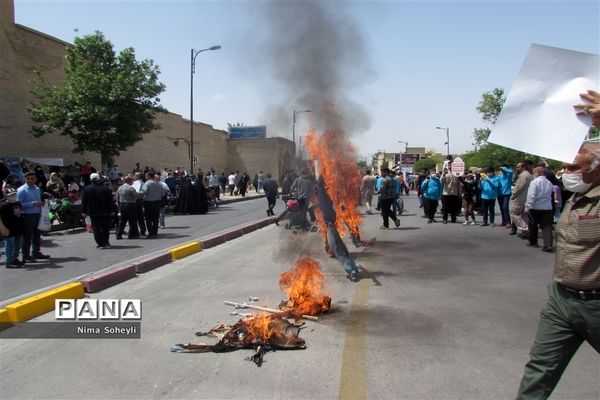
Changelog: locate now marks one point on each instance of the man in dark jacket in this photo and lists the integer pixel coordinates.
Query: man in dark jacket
(270, 188)
(97, 202)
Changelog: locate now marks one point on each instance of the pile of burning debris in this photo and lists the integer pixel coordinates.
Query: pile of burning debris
(271, 329)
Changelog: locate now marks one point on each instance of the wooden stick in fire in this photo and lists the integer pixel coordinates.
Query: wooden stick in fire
(265, 309)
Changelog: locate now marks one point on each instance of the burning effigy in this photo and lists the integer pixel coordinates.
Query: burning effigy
(337, 165)
(259, 332)
(305, 286)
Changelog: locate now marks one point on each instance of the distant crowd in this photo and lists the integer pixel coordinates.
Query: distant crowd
(80, 195)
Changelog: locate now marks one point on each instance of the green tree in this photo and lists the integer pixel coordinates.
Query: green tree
(491, 105)
(493, 155)
(107, 101)
(424, 163)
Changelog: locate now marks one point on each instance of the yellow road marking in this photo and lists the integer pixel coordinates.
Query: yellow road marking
(353, 373)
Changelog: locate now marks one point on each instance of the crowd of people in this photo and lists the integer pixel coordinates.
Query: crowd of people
(528, 199)
(134, 204)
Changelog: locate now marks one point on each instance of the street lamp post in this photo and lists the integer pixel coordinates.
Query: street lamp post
(447, 138)
(406, 144)
(194, 54)
(294, 127)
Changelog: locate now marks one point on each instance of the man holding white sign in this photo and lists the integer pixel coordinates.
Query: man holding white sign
(572, 313)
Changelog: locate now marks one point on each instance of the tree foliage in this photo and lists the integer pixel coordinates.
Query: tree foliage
(106, 103)
(424, 163)
(491, 105)
(493, 155)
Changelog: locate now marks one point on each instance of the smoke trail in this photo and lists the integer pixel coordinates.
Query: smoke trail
(315, 57)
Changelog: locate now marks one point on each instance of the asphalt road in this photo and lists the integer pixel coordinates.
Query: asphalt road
(441, 312)
(74, 254)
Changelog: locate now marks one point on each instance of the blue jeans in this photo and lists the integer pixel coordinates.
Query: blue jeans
(503, 201)
(161, 217)
(13, 246)
(488, 210)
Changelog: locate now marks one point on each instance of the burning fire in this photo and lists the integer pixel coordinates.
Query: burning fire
(263, 328)
(337, 164)
(305, 288)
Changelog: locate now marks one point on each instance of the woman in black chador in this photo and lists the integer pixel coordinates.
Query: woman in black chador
(201, 198)
(244, 180)
(187, 202)
(192, 198)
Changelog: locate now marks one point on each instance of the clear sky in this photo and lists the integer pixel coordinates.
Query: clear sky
(397, 69)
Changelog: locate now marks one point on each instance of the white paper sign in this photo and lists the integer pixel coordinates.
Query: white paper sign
(538, 115)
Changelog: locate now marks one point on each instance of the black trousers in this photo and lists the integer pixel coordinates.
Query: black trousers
(271, 200)
(450, 205)
(386, 211)
(140, 216)
(101, 228)
(32, 237)
(429, 207)
(129, 215)
(544, 219)
(152, 213)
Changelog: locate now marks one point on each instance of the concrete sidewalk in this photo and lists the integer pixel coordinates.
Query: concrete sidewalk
(441, 312)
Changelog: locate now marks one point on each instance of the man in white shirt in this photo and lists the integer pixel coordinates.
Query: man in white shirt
(137, 185)
(231, 183)
(538, 209)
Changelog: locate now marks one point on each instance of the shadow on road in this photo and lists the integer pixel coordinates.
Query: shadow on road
(118, 246)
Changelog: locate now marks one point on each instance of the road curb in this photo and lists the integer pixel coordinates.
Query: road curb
(108, 277)
(184, 250)
(42, 303)
(34, 306)
(150, 263)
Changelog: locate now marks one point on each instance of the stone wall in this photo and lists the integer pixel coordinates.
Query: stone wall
(272, 155)
(24, 50)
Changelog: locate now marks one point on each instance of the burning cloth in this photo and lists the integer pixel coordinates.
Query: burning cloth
(258, 332)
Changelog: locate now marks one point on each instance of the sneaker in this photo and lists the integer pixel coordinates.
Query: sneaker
(473, 223)
(384, 227)
(532, 245)
(493, 225)
(485, 224)
(465, 223)
(429, 221)
(547, 249)
(14, 264)
(512, 233)
(28, 259)
(40, 256)
(353, 276)
(397, 223)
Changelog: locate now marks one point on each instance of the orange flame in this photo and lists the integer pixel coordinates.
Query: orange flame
(337, 165)
(305, 288)
(261, 327)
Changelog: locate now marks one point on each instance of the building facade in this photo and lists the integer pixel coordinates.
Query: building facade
(24, 50)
